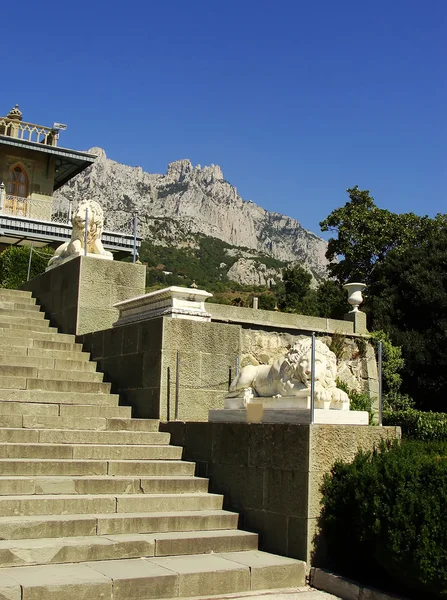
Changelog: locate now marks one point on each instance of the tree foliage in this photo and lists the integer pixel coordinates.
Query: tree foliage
(296, 282)
(14, 264)
(367, 233)
(409, 300)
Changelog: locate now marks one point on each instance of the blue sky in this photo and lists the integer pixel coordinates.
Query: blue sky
(295, 100)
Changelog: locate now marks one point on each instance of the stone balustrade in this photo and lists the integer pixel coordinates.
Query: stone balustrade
(29, 132)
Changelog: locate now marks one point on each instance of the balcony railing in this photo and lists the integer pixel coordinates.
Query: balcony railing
(47, 210)
(15, 206)
(31, 208)
(28, 132)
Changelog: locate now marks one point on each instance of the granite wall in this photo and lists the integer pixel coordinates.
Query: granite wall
(78, 296)
(271, 473)
(140, 360)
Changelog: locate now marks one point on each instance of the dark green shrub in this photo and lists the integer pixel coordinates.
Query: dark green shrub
(14, 264)
(357, 400)
(267, 301)
(384, 518)
(395, 401)
(418, 425)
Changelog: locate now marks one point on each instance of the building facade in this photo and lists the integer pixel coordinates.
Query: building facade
(32, 167)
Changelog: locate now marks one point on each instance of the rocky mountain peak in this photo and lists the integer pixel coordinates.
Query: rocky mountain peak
(189, 200)
(179, 169)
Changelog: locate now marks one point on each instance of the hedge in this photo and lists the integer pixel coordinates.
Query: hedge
(384, 518)
(418, 425)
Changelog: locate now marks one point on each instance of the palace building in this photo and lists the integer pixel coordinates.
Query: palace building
(32, 167)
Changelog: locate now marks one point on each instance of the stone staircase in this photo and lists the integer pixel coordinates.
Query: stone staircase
(94, 504)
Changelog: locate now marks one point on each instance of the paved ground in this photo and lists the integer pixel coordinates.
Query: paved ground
(304, 593)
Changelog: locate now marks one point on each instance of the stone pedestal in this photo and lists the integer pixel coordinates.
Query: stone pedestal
(176, 302)
(358, 318)
(291, 409)
(79, 296)
(256, 413)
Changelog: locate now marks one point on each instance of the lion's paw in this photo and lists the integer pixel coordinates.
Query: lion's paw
(322, 395)
(340, 396)
(340, 399)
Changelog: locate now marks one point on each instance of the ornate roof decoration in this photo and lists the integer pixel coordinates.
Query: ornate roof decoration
(15, 113)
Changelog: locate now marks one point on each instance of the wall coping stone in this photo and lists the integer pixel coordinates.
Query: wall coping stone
(278, 320)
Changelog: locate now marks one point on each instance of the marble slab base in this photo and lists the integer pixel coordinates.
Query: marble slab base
(175, 302)
(257, 413)
(61, 261)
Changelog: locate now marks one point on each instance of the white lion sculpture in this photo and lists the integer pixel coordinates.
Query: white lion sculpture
(75, 247)
(291, 376)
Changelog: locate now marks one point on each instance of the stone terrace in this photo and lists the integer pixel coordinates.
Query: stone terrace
(95, 504)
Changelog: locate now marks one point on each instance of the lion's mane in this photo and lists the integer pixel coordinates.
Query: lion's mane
(95, 218)
(290, 365)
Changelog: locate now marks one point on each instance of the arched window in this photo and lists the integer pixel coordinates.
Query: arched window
(17, 184)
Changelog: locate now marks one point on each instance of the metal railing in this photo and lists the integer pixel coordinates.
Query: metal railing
(29, 132)
(32, 208)
(47, 210)
(15, 205)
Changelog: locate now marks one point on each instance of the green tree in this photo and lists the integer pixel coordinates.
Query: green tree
(296, 282)
(366, 234)
(409, 300)
(14, 264)
(331, 300)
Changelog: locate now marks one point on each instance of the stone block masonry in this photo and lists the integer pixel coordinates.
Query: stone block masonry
(140, 359)
(79, 295)
(271, 473)
(94, 504)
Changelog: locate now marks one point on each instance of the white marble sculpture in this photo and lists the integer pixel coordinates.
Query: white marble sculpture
(291, 377)
(75, 247)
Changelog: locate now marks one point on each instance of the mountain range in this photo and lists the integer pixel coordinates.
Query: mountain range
(186, 201)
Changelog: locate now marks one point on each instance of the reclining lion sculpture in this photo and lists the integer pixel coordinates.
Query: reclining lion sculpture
(75, 247)
(291, 376)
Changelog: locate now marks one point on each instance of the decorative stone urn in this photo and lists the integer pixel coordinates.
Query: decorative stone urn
(355, 297)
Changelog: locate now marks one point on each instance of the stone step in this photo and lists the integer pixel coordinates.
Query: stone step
(68, 374)
(9, 326)
(89, 451)
(60, 397)
(157, 577)
(56, 422)
(25, 409)
(108, 422)
(66, 504)
(204, 542)
(82, 436)
(76, 354)
(60, 385)
(17, 315)
(17, 296)
(80, 549)
(118, 413)
(149, 468)
(104, 484)
(58, 526)
(72, 436)
(78, 423)
(53, 385)
(54, 374)
(50, 344)
(22, 360)
(86, 467)
(122, 424)
(17, 305)
(39, 339)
